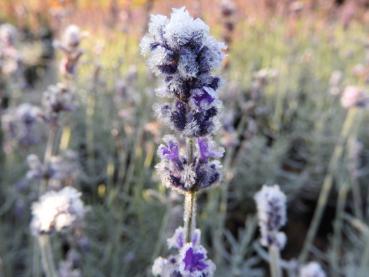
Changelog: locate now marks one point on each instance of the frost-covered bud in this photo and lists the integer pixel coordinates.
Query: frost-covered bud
(57, 211)
(57, 99)
(20, 125)
(72, 36)
(354, 97)
(70, 47)
(8, 35)
(177, 172)
(228, 10)
(181, 50)
(58, 170)
(312, 269)
(271, 208)
(190, 260)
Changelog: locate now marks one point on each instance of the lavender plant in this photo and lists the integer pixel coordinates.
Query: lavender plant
(272, 216)
(59, 207)
(182, 52)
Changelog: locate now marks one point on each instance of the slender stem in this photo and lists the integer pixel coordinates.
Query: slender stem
(337, 238)
(47, 256)
(35, 259)
(327, 184)
(50, 143)
(274, 263)
(365, 256)
(189, 214)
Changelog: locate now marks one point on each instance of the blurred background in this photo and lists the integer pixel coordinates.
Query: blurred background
(295, 93)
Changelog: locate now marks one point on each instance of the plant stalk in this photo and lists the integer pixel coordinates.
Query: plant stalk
(47, 256)
(274, 262)
(327, 184)
(189, 214)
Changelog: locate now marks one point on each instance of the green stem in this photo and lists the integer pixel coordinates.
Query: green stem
(337, 238)
(327, 184)
(274, 262)
(365, 257)
(47, 256)
(189, 214)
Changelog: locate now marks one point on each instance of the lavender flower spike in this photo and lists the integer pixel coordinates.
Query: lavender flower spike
(57, 211)
(271, 206)
(181, 51)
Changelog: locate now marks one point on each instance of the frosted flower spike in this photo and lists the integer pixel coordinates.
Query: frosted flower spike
(271, 211)
(57, 211)
(181, 50)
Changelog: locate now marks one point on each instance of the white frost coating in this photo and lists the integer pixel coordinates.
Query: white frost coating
(271, 207)
(72, 36)
(57, 210)
(174, 34)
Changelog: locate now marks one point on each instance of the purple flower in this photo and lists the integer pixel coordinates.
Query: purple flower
(190, 261)
(171, 150)
(204, 96)
(176, 172)
(177, 241)
(194, 261)
(207, 149)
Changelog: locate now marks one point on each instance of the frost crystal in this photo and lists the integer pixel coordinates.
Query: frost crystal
(57, 211)
(271, 207)
(312, 269)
